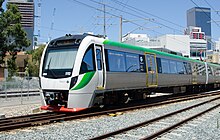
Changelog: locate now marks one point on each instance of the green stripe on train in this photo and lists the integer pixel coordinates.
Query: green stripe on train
(85, 80)
(138, 48)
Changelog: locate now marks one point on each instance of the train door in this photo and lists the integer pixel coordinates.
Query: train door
(152, 74)
(100, 66)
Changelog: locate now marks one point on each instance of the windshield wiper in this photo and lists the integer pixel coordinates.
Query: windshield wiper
(48, 66)
(50, 70)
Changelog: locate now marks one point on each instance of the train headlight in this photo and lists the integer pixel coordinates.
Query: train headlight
(73, 81)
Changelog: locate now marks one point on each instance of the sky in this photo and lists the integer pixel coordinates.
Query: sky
(151, 17)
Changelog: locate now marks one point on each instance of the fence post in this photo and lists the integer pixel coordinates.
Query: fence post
(5, 88)
(28, 85)
(21, 92)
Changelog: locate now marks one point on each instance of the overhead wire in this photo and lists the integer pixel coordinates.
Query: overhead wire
(117, 14)
(211, 7)
(211, 20)
(134, 23)
(141, 17)
(142, 11)
(205, 13)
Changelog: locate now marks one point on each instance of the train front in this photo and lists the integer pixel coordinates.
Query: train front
(59, 73)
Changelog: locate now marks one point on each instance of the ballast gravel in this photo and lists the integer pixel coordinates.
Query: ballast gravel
(205, 127)
(17, 106)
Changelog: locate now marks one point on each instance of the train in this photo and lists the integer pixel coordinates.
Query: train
(83, 71)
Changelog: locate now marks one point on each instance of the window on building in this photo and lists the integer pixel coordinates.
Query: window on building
(201, 36)
(195, 35)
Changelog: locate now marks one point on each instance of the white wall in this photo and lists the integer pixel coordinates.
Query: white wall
(177, 43)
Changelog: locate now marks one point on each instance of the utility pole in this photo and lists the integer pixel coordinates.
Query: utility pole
(120, 29)
(104, 21)
(121, 22)
(39, 17)
(52, 23)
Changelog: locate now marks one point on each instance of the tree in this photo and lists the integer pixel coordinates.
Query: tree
(12, 37)
(33, 64)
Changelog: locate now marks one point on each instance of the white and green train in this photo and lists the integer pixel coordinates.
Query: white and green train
(83, 71)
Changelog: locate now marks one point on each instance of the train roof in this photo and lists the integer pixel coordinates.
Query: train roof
(71, 39)
(138, 48)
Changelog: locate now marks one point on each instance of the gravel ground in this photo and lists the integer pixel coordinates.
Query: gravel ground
(17, 106)
(202, 128)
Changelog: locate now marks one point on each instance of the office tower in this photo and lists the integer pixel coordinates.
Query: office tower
(26, 8)
(201, 17)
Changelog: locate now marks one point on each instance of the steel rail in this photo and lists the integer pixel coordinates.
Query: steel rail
(30, 120)
(166, 130)
(110, 134)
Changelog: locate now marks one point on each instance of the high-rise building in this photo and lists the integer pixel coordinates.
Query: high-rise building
(201, 17)
(26, 8)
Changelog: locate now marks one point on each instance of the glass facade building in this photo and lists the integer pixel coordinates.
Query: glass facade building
(201, 17)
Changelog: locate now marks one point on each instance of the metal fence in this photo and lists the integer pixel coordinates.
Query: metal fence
(18, 85)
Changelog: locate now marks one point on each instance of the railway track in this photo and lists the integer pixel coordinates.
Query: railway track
(151, 123)
(49, 117)
(27, 120)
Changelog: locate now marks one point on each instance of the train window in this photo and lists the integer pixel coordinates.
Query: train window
(201, 69)
(99, 59)
(159, 67)
(217, 72)
(210, 70)
(88, 60)
(173, 67)
(180, 68)
(116, 61)
(165, 66)
(59, 62)
(132, 62)
(188, 67)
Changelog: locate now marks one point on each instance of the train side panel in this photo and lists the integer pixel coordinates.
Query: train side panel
(120, 80)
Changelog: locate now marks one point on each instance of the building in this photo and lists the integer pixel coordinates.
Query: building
(214, 55)
(198, 43)
(174, 44)
(201, 17)
(26, 8)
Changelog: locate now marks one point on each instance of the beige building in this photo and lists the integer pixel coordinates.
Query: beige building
(214, 56)
(21, 61)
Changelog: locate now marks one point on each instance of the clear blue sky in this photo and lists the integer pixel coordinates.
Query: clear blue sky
(73, 17)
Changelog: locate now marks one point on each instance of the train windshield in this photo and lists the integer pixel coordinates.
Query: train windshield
(58, 63)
